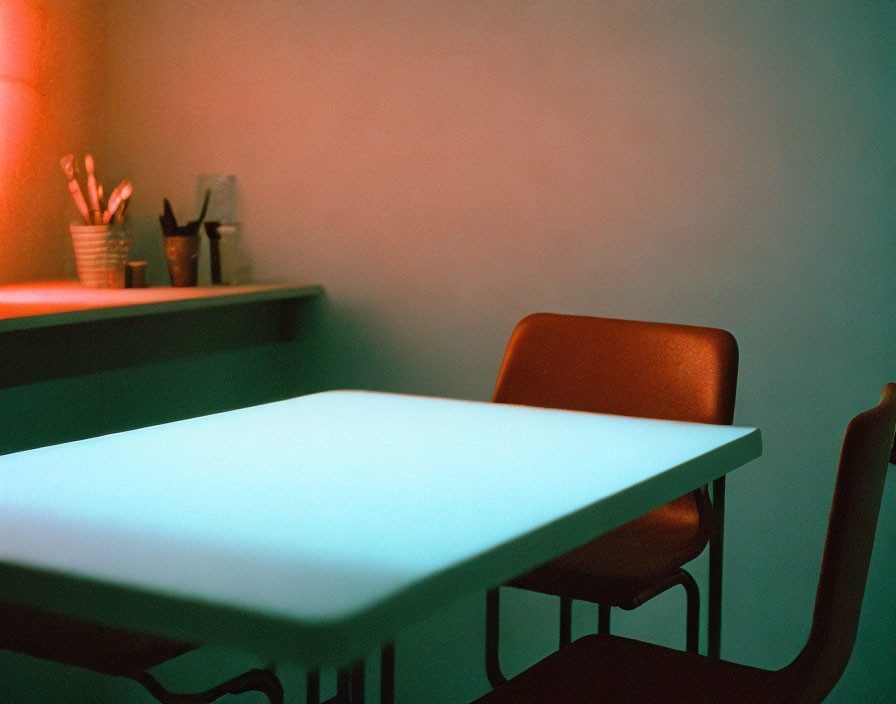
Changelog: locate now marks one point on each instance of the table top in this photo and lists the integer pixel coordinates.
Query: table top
(317, 527)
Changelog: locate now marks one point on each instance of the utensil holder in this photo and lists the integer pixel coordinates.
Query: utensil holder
(101, 254)
(182, 252)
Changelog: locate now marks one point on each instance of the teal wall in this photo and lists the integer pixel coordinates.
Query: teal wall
(445, 168)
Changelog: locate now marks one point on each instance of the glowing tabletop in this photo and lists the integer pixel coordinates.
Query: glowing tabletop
(316, 528)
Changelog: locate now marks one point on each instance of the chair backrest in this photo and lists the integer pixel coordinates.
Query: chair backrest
(625, 367)
(867, 446)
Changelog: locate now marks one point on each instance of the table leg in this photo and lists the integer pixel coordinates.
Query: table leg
(716, 544)
(312, 687)
(357, 683)
(345, 687)
(387, 674)
(350, 682)
(603, 618)
(565, 621)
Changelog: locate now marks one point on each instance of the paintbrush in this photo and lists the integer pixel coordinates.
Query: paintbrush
(68, 166)
(92, 191)
(167, 219)
(119, 216)
(121, 193)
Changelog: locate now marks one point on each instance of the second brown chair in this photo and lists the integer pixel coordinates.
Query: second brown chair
(624, 367)
(604, 668)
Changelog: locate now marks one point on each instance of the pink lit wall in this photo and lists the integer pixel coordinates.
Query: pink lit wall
(50, 83)
(443, 168)
(21, 37)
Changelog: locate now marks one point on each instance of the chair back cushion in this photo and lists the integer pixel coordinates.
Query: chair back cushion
(624, 367)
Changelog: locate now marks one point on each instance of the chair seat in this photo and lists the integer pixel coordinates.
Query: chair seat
(74, 642)
(604, 668)
(617, 568)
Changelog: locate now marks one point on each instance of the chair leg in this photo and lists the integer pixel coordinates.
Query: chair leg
(357, 683)
(565, 621)
(692, 638)
(603, 618)
(263, 681)
(492, 633)
(716, 545)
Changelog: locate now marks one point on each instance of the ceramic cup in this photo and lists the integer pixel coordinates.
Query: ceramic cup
(101, 254)
(182, 252)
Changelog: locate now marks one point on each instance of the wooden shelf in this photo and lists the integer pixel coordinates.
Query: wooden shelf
(53, 330)
(54, 303)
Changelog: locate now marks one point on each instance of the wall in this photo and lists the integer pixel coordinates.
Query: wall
(51, 78)
(445, 168)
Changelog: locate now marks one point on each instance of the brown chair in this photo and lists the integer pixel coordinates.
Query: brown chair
(114, 651)
(625, 367)
(605, 668)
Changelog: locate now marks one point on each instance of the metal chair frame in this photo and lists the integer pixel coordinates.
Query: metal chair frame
(116, 652)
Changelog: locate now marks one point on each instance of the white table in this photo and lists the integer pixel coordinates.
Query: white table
(315, 529)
